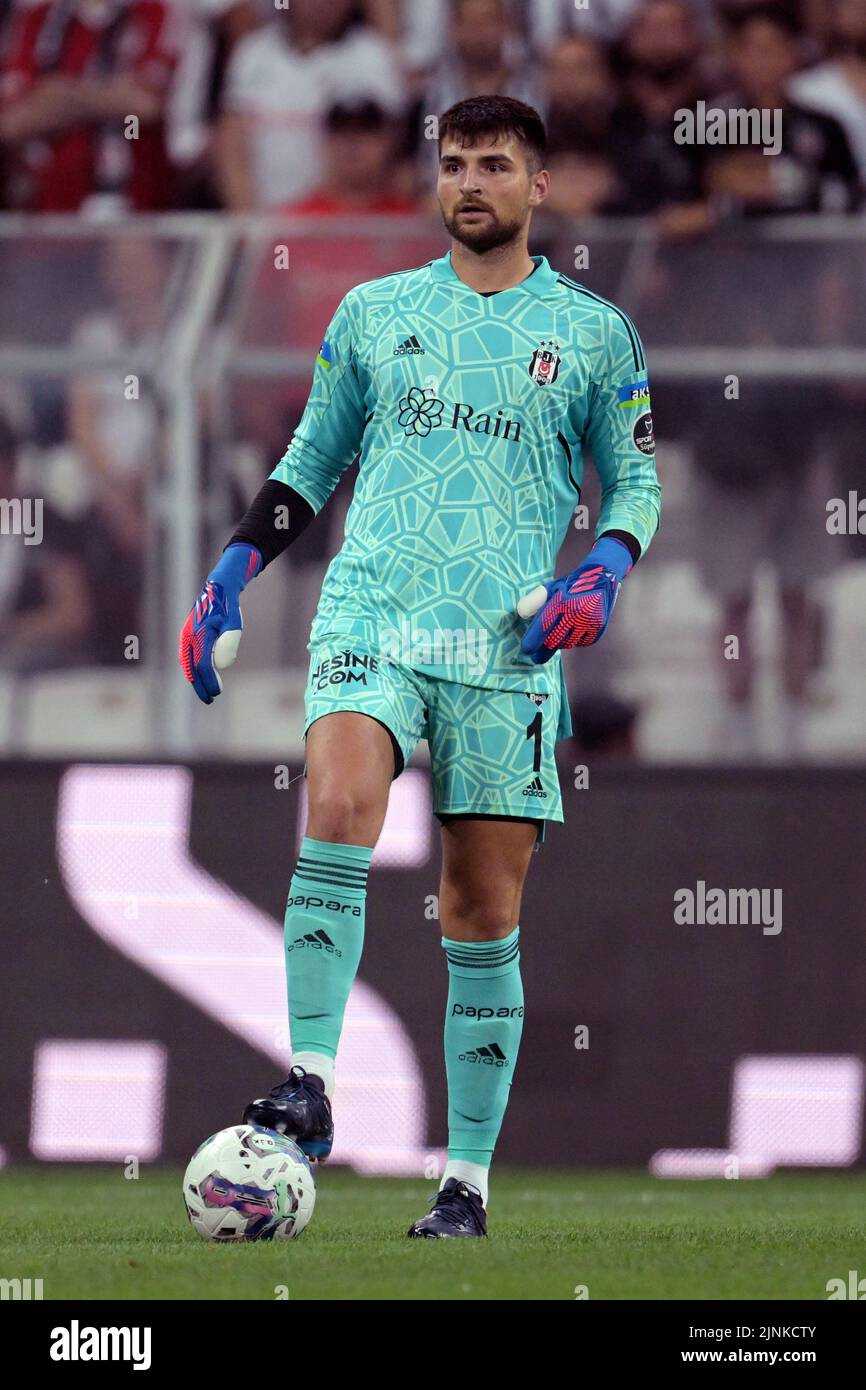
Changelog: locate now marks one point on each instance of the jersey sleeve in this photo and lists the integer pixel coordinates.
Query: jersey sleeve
(331, 428)
(619, 434)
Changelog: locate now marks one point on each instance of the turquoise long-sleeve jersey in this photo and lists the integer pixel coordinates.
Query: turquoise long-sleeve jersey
(470, 413)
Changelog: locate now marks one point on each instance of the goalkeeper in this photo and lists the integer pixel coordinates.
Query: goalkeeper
(470, 387)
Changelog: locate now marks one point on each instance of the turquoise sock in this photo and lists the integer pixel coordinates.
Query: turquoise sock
(324, 935)
(482, 1037)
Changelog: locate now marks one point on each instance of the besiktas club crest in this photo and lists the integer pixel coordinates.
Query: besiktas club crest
(544, 367)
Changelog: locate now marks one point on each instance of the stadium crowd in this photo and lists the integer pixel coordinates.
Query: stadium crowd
(326, 108)
(113, 107)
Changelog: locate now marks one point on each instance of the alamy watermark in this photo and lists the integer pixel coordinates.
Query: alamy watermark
(20, 1289)
(705, 906)
(460, 646)
(738, 125)
(846, 516)
(22, 516)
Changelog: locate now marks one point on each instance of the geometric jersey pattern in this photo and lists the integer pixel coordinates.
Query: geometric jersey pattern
(491, 750)
(471, 460)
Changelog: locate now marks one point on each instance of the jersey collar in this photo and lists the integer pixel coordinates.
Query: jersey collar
(538, 283)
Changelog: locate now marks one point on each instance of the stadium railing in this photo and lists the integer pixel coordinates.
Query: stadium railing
(172, 357)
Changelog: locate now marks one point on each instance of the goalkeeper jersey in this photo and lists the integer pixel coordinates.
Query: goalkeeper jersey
(470, 414)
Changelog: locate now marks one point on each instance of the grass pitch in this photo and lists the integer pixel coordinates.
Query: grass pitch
(88, 1233)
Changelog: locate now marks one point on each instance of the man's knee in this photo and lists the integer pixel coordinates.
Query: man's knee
(477, 911)
(344, 815)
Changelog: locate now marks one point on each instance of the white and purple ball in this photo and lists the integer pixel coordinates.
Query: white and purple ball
(248, 1183)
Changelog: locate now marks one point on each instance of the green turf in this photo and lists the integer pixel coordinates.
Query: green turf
(90, 1233)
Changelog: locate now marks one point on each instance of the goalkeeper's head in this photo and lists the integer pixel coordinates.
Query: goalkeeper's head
(491, 170)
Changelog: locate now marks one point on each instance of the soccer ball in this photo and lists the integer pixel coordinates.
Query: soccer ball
(249, 1183)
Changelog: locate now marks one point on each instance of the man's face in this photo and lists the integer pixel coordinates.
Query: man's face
(358, 159)
(325, 21)
(763, 56)
(661, 36)
(479, 32)
(486, 192)
(577, 75)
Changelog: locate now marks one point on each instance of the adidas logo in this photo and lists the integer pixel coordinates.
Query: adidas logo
(534, 788)
(491, 1056)
(318, 941)
(410, 347)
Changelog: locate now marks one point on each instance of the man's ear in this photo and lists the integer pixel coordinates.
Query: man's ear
(540, 188)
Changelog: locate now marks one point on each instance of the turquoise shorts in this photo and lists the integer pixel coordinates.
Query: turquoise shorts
(491, 750)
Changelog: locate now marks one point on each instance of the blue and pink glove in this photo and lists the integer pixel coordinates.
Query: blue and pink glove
(211, 634)
(577, 608)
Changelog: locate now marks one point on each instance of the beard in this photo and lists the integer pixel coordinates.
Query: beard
(483, 236)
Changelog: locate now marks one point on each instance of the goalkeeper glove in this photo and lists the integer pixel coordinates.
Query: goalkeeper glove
(211, 634)
(578, 608)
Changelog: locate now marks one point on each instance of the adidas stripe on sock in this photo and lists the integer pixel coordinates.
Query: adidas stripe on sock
(324, 936)
(483, 1027)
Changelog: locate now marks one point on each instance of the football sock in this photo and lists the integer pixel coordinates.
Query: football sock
(483, 1026)
(317, 1064)
(324, 935)
(474, 1173)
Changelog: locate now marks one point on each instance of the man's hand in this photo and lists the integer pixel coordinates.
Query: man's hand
(211, 634)
(578, 608)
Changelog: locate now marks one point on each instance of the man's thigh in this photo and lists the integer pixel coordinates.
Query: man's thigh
(363, 718)
(492, 753)
(347, 679)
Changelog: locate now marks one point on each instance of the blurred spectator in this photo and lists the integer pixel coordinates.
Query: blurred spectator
(118, 440)
(483, 53)
(280, 81)
(761, 493)
(587, 135)
(295, 306)
(46, 612)
(584, 181)
(213, 28)
(423, 27)
(837, 87)
(604, 20)
(549, 21)
(815, 170)
(579, 88)
(761, 504)
(661, 59)
(73, 73)
(359, 166)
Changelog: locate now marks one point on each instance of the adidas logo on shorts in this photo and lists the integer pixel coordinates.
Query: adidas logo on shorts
(535, 788)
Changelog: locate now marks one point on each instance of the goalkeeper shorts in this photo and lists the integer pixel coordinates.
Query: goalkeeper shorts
(491, 750)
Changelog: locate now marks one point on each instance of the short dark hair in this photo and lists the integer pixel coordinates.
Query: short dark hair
(773, 12)
(496, 117)
(365, 114)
